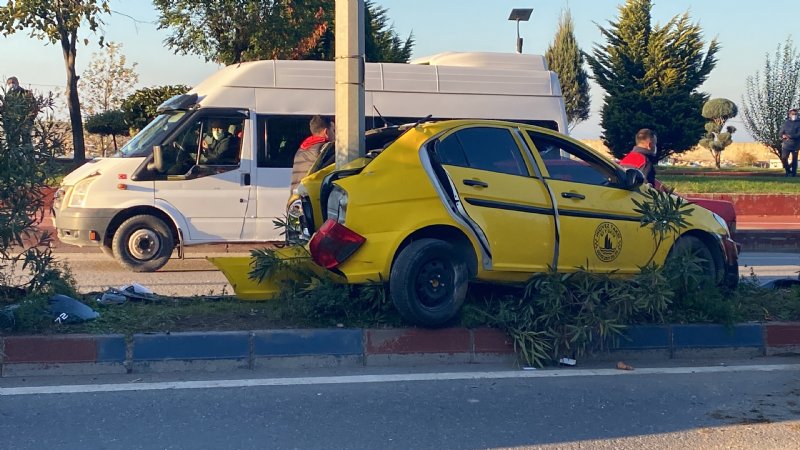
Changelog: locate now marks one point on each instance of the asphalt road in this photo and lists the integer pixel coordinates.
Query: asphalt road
(94, 272)
(703, 407)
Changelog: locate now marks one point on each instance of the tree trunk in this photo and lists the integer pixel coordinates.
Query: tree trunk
(113, 139)
(68, 44)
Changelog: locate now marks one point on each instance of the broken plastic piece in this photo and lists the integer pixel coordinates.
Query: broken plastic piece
(112, 298)
(68, 310)
(7, 317)
(782, 283)
(567, 361)
(131, 292)
(622, 366)
(136, 288)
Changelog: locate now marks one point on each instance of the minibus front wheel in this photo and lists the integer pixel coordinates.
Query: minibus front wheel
(143, 243)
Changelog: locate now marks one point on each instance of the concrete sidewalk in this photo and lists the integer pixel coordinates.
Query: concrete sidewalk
(777, 222)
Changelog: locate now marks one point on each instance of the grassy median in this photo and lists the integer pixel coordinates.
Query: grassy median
(777, 184)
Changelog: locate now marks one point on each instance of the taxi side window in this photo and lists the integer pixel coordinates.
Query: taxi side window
(567, 162)
(483, 148)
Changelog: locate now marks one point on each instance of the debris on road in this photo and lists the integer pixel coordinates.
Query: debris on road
(133, 291)
(622, 366)
(66, 310)
(782, 283)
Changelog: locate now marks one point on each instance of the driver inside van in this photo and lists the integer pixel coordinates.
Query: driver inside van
(220, 147)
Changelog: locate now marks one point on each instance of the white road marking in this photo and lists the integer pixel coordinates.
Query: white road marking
(391, 378)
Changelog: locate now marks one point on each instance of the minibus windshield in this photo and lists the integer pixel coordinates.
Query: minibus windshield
(153, 134)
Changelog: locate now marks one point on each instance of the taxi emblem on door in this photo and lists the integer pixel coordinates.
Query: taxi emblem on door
(607, 242)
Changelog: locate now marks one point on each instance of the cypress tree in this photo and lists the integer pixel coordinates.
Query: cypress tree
(566, 59)
(651, 75)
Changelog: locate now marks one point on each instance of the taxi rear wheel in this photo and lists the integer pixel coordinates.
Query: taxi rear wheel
(691, 246)
(428, 282)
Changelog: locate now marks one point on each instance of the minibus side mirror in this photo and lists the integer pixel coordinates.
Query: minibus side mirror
(633, 178)
(158, 160)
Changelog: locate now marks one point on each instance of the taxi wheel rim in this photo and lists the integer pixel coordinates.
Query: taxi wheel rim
(144, 244)
(434, 283)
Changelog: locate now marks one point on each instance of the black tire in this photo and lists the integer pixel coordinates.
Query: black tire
(428, 282)
(143, 243)
(693, 246)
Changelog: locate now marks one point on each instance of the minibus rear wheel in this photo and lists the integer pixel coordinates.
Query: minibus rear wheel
(143, 243)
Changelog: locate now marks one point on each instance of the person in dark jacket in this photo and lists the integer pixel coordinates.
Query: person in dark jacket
(643, 155)
(221, 147)
(20, 110)
(322, 135)
(790, 135)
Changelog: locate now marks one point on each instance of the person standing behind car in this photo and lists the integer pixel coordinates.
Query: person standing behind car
(643, 156)
(790, 135)
(322, 135)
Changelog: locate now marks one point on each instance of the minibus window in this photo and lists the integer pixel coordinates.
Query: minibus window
(279, 137)
(142, 144)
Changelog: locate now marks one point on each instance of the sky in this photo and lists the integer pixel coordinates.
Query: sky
(746, 30)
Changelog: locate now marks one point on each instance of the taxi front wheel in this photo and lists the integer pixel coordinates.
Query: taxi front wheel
(428, 282)
(693, 247)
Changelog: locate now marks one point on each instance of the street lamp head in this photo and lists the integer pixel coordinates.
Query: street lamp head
(522, 14)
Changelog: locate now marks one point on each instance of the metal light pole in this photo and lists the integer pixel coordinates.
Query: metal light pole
(520, 14)
(349, 89)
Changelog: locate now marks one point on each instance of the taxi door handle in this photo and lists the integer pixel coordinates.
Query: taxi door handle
(574, 195)
(476, 183)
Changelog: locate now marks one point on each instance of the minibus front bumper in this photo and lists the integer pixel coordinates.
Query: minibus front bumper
(83, 227)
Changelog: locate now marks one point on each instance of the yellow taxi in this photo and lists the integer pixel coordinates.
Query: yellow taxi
(441, 204)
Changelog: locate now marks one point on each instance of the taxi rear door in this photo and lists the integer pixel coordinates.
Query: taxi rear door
(500, 196)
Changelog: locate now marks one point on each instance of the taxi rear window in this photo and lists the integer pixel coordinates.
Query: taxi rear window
(483, 148)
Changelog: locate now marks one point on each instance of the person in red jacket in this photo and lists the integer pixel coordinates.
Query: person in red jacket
(643, 155)
(322, 134)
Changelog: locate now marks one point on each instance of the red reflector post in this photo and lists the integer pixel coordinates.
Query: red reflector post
(333, 244)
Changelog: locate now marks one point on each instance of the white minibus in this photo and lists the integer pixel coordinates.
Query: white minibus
(140, 211)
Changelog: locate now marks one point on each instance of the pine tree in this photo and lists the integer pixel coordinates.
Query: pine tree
(566, 59)
(651, 77)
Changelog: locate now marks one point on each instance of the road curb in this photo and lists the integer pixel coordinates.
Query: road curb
(214, 351)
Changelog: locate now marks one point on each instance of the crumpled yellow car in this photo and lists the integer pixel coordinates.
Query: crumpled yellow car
(446, 203)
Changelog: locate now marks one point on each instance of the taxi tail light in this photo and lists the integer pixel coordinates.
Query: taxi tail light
(333, 244)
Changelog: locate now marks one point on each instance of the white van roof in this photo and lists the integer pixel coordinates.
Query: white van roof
(455, 73)
(463, 85)
(484, 59)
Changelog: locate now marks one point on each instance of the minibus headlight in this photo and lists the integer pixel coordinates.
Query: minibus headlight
(78, 197)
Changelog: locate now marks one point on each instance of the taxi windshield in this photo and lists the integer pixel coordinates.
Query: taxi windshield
(155, 132)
